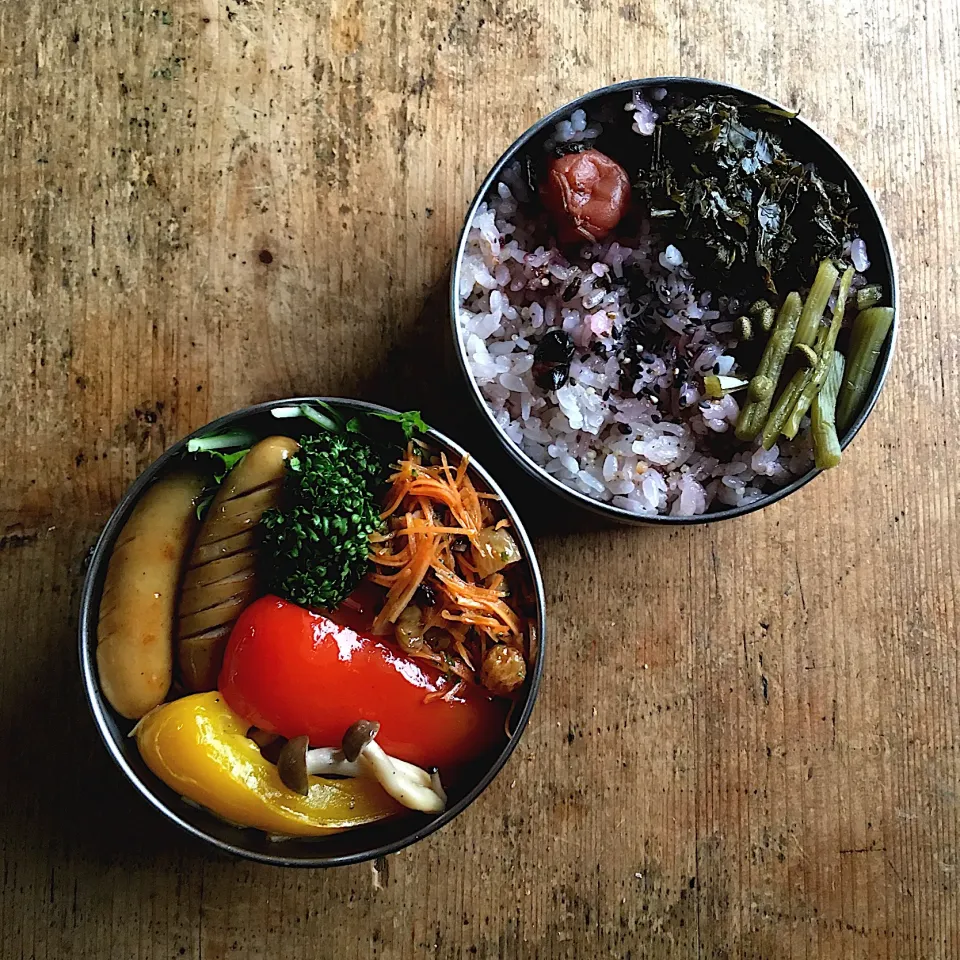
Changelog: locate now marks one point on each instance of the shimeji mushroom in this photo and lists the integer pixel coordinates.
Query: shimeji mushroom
(360, 756)
(297, 762)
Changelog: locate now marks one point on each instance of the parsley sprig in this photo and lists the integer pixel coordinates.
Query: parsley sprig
(315, 545)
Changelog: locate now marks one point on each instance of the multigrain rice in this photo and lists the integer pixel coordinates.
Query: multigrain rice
(629, 426)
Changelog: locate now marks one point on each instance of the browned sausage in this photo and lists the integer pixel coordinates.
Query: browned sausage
(221, 575)
(136, 627)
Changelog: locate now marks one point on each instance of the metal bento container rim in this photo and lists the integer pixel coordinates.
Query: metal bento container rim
(100, 710)
(582, 500)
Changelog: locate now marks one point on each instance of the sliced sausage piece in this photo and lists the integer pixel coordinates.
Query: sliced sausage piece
(221, 575)
(138, 606)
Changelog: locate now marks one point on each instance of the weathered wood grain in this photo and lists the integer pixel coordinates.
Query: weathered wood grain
(748, 742)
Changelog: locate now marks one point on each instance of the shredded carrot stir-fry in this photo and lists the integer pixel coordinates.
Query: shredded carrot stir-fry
(442, 539)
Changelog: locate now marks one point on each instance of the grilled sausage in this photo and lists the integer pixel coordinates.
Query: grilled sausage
(138, 605)
(221, 575)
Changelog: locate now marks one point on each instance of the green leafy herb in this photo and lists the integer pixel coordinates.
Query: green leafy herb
(325, 416)
(321, 414)
(315, 546)
(411, 421)
(332, 422)
(740, 202)
(206, 498)
(227, 440)
(214, 446)
(226, 462)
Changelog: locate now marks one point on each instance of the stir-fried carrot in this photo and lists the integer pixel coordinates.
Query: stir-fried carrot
(436, 519)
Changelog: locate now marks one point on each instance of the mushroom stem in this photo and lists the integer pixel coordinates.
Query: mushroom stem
(413, 772)
(360, 756)
(409, 785)
(436, 785)
(402, 787)
(328, 761)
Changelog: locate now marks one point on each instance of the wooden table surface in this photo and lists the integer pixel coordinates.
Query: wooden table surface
(747, 744)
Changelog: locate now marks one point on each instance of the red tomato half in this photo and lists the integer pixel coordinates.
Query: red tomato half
(294, 672)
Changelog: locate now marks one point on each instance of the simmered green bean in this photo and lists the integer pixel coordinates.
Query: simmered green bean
(780, 412)
(826, 340)
(816, 303)
(763, 384)
(808, 353)
(823, 427)
(870, 330)
(869, 296)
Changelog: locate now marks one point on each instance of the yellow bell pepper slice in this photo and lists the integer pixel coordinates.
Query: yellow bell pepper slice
(198, 746)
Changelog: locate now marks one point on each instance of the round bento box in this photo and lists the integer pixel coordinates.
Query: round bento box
(351, 846)
(504, 399)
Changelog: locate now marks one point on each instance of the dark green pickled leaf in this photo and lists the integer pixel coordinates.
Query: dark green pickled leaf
(777, 111)
(739, 203)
